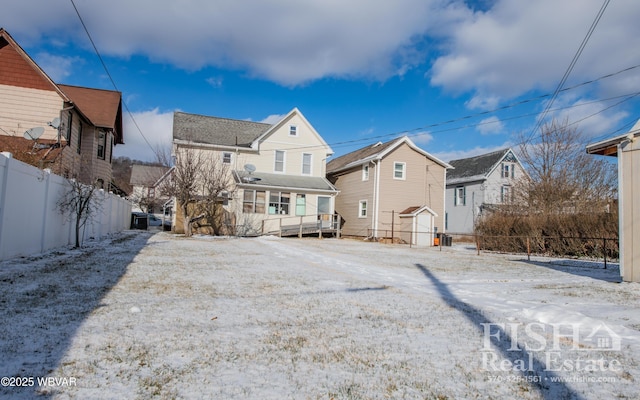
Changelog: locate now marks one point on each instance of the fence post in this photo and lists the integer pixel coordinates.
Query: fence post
(45, 215)
(528, 249)
(300, 229)
(478, 243)
(392, 218)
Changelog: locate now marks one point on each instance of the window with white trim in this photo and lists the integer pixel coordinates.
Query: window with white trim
(508, 170)
(301, 204)
(306, 164)
(505, 194)
(279, 202)
(226, 157)
(102, 142)
(399, 170)
(253, 201)
(279, 161)
(293, 130)
(460, 196)
(362, 209)
(365, 172)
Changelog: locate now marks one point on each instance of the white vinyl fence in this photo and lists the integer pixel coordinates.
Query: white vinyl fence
(30, 220)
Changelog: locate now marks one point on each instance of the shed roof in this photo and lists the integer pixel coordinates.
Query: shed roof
(290, 182)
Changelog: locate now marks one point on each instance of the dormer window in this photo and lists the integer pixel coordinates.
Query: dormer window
(293, 130)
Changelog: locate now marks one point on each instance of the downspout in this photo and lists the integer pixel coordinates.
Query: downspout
(376, 199)
(444, 199)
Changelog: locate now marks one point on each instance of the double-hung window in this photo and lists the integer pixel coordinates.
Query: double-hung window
(362, 209)
(459, 196)
(506, 194)
(293, 130)
(365, 172)
(226, 157)
(102, 143)
(306, 164)
(279, 161)
(508, 170)
(399, 170)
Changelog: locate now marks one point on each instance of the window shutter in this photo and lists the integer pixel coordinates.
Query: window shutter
(464, 196)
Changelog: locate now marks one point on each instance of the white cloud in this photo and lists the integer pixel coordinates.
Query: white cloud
(475, 151)
(490, 126)
(57, 67)
(518, 46)
(157, 128)
(273, 118)
(285, 41)
(421, 138)
(215, 81)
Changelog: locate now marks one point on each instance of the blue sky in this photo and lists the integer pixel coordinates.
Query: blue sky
(359, 70)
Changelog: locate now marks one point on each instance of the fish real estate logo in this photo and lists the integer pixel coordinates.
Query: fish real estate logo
(537, 347)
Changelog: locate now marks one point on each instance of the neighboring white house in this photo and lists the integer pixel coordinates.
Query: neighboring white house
(627, 149)
(145, 194)
(479, 182)
(278, 170)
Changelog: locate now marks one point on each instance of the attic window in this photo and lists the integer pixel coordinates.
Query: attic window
(293, 130)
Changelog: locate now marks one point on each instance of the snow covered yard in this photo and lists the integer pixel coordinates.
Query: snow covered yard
(145, 315)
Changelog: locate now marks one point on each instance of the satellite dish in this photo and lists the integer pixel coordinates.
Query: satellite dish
(55, 123)
(250, 168)
(33, 133)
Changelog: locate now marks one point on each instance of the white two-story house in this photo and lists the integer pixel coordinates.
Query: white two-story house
(277, 170)
(477, 183)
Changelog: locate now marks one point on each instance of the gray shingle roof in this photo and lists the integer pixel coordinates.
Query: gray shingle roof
(360, 154)
(284, 181)
(146, 175)
(217, 131)
(474, 167)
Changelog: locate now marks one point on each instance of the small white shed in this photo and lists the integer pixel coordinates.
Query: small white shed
(627, 149)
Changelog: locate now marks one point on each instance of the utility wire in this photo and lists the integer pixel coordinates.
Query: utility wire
(104, 65)
(570, 68)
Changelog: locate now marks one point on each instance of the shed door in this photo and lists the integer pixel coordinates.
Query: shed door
(424, 236)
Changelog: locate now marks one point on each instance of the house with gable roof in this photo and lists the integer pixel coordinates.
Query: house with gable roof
(146, 193)
(390, 190)
(278, 171)
(74, 128)
(477, 183)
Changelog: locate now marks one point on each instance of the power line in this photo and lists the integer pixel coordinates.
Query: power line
(104, 65)
(570, 68)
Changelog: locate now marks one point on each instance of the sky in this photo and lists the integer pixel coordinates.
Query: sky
(461, 78)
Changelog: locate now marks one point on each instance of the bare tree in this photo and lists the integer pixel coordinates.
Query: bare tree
(80, 204)
(562, 176)
(198, 180)
(215, 182)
